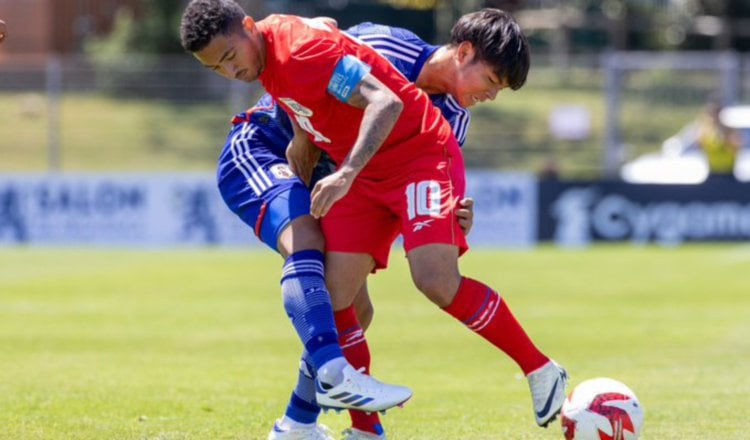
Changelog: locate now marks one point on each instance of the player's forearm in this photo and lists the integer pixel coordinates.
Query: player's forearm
(302, 154)
(382, 110)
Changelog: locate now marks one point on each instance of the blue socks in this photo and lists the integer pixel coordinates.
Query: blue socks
(308, 305)
(302, 407)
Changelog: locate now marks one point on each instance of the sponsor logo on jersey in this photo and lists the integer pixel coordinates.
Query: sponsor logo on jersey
(418, 226)
(282, 171)
(296, 107)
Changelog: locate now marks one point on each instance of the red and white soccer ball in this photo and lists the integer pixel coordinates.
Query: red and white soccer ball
(602, 409)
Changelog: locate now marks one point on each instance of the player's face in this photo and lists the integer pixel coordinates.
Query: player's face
(237, 56)
(476, 80)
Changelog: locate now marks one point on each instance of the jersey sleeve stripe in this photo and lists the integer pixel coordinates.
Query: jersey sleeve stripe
(396, 40)
(389, 53)
(393, 43)
(245, 162)
(257, 174)
(462, 119)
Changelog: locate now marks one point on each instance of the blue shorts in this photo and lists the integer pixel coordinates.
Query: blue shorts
(255, 180)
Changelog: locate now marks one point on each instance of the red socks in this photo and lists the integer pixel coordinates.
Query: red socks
(483, 311)
(354, 345)
(478, 307)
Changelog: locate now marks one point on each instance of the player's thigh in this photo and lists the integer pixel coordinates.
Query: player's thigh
(269, 214)
(285, 223)
(258, 186)
(301, 233)
(346, 274)
(361, 223)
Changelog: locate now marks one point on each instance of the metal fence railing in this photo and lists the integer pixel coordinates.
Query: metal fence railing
(168, 113)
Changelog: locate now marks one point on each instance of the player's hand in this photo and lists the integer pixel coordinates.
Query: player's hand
(328, 191)
(302, 156)
(465, 214)
(3, 31)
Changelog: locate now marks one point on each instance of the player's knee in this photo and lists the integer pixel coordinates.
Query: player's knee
(314, 240)
(302, 234)
(437, 289)
(365, 313)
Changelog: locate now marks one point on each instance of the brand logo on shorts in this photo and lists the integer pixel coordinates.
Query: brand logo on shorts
(418, 226)
(282, 171)
(296, 107)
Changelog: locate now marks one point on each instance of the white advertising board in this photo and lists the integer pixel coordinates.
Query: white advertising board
(505, 208)
(116, 209)
(172, 209)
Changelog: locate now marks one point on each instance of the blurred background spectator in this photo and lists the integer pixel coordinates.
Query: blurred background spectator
(719, 143)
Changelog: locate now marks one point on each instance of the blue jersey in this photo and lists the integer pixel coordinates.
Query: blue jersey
(408, 53)
(271, 125)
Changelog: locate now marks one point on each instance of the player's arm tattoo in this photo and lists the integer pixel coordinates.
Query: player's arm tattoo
(382, 108)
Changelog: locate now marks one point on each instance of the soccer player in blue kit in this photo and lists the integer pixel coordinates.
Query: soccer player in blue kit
(257, 184)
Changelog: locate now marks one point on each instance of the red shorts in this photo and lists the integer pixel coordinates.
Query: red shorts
(417, 199)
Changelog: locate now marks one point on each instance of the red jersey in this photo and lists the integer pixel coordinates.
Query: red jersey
(301, 56)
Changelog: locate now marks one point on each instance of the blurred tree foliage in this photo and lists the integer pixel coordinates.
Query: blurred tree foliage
(115, 43)
(590, 25)
(157, 31)
(153, 31)
(126, 60)
(412, 4)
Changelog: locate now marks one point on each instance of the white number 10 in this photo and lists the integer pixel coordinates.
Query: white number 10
(423, 198)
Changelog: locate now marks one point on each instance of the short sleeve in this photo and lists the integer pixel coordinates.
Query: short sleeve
(311, 64)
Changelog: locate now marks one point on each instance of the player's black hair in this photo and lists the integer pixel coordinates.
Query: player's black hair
(205, 19)
(498, 40)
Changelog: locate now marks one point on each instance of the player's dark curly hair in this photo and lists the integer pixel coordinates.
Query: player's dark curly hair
(498, 40)
(205, 19)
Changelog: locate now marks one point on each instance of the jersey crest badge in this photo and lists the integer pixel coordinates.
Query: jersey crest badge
(282, 171)
(296, 107)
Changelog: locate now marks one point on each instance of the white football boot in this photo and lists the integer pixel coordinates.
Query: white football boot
(360, 391)
(547, 384)
(356, 434)
(312, 432)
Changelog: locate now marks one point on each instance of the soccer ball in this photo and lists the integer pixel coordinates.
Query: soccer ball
(602, 409)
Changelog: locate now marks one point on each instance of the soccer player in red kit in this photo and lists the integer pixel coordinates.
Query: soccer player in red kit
(400, 170)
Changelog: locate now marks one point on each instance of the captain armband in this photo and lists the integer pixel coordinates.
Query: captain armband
(348, 73)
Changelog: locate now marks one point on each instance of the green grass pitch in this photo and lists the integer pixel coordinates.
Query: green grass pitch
(194, 344)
